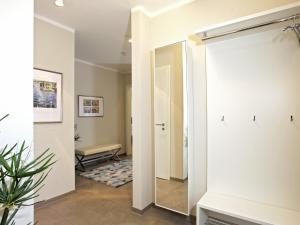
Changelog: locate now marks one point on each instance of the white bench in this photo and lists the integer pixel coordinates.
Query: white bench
(93, 153)
(244, 210)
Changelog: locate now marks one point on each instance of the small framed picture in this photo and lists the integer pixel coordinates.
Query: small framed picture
(47, 96)
(90, 106)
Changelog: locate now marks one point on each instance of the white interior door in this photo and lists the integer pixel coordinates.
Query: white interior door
(162, 121)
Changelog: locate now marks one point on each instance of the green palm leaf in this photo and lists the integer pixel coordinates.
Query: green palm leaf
(18, 184)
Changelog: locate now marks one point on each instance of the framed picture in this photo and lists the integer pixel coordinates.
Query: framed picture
(47, 96)
(90, 106)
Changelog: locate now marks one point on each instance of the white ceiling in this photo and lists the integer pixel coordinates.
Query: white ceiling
(102, 26)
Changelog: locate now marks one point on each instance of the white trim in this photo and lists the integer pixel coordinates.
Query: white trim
(162, 10)
(97, 65)
(54, 23)
(170, 43)
(249, 17)
(142, 9)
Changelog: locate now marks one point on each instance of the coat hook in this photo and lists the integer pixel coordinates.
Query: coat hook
(292, 118)
(254, 118)
(223, 118)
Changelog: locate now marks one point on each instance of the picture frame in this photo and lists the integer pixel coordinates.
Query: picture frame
(47, 96)
(90, 106)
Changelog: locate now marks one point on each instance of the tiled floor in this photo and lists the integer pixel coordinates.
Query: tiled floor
(97, 204)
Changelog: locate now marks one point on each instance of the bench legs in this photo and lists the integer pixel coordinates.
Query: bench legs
(81, 159)
(115, 155)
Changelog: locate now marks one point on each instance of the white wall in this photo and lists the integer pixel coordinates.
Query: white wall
(94, 81)
(54, 50)
(16, 76)
(141, 112)
(197, 123)
(257, 75)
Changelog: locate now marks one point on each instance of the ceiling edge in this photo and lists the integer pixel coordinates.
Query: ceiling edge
(171, 7)
(57, 24)
(142, 9)
(162, 10)
(101, 67)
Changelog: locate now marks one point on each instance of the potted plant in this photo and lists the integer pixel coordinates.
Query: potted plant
(77, 137)
(20, 178)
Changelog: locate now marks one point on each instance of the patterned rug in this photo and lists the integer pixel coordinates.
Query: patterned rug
(115, 174)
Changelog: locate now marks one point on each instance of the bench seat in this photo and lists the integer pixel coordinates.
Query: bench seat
(91, 154)
(97, 149)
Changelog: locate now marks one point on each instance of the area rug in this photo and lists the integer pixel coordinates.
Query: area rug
(114, 175)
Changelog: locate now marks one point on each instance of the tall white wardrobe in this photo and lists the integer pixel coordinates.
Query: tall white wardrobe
(253, 121)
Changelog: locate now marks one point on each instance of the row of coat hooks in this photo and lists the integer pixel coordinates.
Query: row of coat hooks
(254, 118)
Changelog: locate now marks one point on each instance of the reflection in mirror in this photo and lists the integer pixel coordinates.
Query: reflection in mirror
(170, 128)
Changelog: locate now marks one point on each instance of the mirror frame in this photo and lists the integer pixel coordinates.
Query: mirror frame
(185, 121)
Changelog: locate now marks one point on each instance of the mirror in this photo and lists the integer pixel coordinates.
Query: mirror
(170, 128)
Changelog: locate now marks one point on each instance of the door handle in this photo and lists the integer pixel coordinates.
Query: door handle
(160, 124)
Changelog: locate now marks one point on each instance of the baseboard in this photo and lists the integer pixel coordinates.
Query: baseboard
(45, 203)
(178, 179)
(141, 212)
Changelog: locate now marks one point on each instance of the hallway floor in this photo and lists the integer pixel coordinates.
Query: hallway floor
(94, 203)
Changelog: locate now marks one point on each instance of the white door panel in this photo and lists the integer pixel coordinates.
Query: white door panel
(162, 121)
